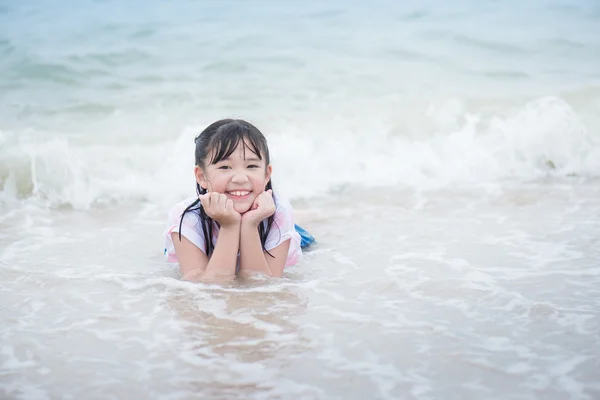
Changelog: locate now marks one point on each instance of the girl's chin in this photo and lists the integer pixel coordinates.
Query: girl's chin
(242, 210)
(243, 206)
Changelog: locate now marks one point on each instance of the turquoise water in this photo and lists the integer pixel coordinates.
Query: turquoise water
(446, 156)
(71, 66)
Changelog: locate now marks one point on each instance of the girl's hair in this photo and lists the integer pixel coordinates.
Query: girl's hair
(219, 140)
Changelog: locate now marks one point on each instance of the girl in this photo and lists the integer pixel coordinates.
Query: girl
(237, 224)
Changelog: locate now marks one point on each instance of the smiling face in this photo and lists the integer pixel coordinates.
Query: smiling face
(241, 177)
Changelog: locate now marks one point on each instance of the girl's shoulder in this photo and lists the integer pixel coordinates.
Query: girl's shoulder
(189, 227)
(284, 212)
(283, 228)
(177, 209)
(191, 218)
(282, 203)
(181, 205)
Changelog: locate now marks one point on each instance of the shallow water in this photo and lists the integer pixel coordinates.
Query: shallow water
(446, 157)
(475, 293)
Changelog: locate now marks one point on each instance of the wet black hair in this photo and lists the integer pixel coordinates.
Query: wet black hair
(219, 140)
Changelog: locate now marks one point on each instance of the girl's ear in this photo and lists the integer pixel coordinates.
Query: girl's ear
(268, 172)
(200, 177)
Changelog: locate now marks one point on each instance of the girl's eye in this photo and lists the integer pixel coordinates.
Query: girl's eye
(224, 167)
(253, 166)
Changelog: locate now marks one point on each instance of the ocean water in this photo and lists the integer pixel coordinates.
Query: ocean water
(446, 155)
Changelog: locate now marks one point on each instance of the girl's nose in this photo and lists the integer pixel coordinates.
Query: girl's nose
(239, 177)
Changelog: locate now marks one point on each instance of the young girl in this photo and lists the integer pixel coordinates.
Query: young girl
(237, 224)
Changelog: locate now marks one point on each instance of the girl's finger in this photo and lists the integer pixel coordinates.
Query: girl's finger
(255, 203)
(223, 201)
(214, 199)
(205, 200)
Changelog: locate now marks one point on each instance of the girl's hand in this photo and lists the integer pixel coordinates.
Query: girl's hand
(263, 207)
(220, 208)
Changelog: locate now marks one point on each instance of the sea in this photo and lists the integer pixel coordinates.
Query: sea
(445, 156)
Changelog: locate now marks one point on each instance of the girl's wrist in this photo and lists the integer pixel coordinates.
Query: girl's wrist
(250, 223)
(232, 226)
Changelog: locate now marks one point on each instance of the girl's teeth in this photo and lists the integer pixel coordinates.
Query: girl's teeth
(239, 193)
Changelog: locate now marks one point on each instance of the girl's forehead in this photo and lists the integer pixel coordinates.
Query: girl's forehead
(243, 149)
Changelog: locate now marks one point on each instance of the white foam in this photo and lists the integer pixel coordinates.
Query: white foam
(544, 137)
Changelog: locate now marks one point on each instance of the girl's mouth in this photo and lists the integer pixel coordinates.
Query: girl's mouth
(238, 194)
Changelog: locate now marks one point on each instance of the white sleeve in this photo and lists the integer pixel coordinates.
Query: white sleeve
(282, 229)
(191, 229)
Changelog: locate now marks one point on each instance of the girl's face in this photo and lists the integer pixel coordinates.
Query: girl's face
(241, 177)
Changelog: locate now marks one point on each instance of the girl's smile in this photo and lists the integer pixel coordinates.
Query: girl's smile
(238, 195)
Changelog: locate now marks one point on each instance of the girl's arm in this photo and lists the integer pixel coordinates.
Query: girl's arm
(252, 257)
(193, 262)
(195, 265)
